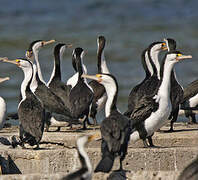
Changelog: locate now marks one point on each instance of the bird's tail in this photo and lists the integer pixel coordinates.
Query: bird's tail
(105, 165)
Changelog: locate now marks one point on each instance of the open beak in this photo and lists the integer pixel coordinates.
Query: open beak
(4, 79)
(179, 58)
(93, 137)
(96, 77)
(16, 61)
(48, 42)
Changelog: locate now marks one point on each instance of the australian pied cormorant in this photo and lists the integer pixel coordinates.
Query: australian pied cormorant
(86, 170)
(100, 96)
(115, 128)
(3, 108)
(30, 109)
(152, 111)
(81, 95)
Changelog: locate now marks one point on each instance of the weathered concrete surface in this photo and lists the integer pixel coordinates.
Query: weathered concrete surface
(58, 155)
(139, 175)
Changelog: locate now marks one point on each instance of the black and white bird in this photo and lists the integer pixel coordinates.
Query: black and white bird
(81, 95)
(151, 66)
(152, 112)
(190, 101)
(30, 109)
(3, 108)
(86, 170)
(32, 54)
(176, 93)
(55, 84)
(100, 96)
(53, 103)
(115, 128)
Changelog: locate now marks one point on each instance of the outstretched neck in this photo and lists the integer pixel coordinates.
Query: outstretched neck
(38, 65)
(165, 79)
(104, 67)
(154, 57)
(24, 84)
(56, 73)
(112, 91)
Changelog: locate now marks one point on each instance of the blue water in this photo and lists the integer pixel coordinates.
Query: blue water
(128, 25)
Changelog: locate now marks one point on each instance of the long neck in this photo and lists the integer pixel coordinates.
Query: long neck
(84, 155)
(112, 92)
(38, 65)
(27, 79)
(79, 65)
(146, 64)
(34, 83)
(104, 67)
(165, 79)
(56, 73)
(154, 56)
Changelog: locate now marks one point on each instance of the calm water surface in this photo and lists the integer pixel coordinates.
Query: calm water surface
(128, 25)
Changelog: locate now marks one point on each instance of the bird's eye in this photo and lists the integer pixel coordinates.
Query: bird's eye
(163, 44)
(17, 60)
(42, 43)
(179, 55)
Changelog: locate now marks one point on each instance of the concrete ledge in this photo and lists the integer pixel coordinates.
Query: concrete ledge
(58, 155)
(139, 175)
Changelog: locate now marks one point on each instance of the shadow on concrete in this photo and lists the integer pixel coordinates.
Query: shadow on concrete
(180, 130)
(8, 166)
(117, 175)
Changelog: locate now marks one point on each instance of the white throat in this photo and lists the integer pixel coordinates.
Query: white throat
(27, 77)
(165, 84)
(148, 63)
(34, 83)
(52, 75)
(104, 67)
(36, 51)
(110, 90)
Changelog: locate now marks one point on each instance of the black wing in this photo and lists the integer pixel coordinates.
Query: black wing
(143, 109)
(190, 91)
(98, 89)
(114, 130)
(51, 102)
(80, 99)
(32, 116)
(61, 90)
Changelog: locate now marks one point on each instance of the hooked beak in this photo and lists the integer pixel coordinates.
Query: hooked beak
(93, 137)
(4, 79)
(96, 77)
(179, 58)
(16, 61)
(48, 42)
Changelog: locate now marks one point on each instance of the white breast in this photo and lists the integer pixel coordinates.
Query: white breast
(193, 101)
(2, 112)
(73, 80)
(101, 102)
(158, 118)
